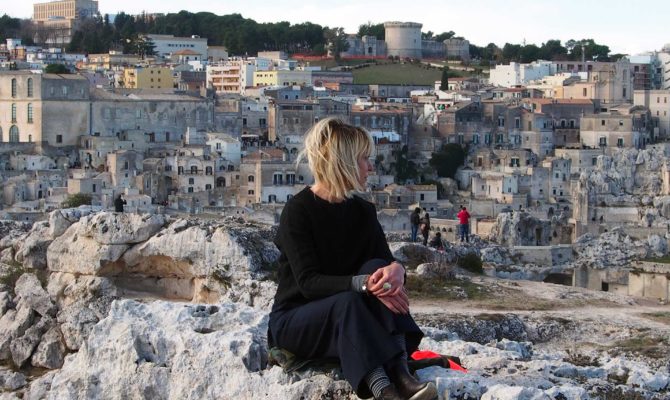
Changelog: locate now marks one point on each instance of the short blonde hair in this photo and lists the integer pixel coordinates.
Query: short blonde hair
(332, 149)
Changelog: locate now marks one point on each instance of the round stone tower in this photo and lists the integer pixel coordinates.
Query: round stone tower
(403, 39)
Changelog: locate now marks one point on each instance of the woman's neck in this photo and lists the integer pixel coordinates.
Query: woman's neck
(324, 193)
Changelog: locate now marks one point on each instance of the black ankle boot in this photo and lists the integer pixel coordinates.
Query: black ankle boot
(408, 386)
(390, 393)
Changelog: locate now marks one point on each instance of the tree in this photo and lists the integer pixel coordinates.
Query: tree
(447, 161)
(444, 83)
(337, 41)
(76, 200)
(370, 29)
(405, 169)
(56, 69)
(444, 36)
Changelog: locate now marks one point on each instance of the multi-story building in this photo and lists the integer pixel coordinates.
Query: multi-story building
(148, 78)
(609, 82)
(516, 74)
(43, 108)
(231, 76)
(616, 129)
(288, 121)
(166, 45)
(56, 21)
(267, 176)
(657, 103)
(109, 61)
(282, 78)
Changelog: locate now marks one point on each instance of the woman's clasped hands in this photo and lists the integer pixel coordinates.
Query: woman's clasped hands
(387, 284)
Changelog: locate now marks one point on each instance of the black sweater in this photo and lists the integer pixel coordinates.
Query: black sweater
(323, 245)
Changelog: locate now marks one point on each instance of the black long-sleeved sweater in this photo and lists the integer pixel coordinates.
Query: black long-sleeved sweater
(323, 245)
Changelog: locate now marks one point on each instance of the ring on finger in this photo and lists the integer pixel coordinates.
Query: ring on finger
(387, 286)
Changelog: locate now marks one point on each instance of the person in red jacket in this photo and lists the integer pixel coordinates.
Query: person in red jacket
(464, 224)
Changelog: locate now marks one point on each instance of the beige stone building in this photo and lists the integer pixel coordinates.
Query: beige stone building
(148, 78)
(623, 127)
(267, 177)
(659, 106)
(56, 21)
(43, 108)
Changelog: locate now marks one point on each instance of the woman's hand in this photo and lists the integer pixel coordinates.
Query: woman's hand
(398, 303)
(387, 281)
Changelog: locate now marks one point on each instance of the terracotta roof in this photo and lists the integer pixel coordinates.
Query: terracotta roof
(186, 52)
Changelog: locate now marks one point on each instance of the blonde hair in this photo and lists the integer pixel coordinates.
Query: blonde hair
(332, 149)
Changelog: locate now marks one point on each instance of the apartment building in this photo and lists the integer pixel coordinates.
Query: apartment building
(148, 78)
(283, 78)
(166, 45)
(56, 21)
(43, 107)
(657, 103)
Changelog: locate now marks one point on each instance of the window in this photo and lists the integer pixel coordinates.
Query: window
(517, 123)
(125, 165)
(290, 179)
(14, 134)
(250, 178)
(30, 87)
(191, 181)
(13, 112)
(272, 198)
(180, 170)
(194, 169)
(422, 197)
(14, 87)
(190, 190)
(208, 171)
(250, 192)
(602, 141)
(64, 90)
(602, 122)
(278, 179)
(208, 187)
(619, 142)
(30, 113)
(501, 121)
(594, 161)
(584, 92)
(94, 188)
(530, 125)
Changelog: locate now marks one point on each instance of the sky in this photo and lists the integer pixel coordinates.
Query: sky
(625, 26)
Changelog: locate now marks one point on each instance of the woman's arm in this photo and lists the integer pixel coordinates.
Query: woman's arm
(298, 242)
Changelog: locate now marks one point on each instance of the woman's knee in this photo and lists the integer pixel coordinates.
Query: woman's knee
(371, 266)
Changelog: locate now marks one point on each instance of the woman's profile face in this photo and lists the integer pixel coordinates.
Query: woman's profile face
(364, 167)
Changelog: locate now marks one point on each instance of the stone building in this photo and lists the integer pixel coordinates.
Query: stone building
(266, 176)
(288, 121)
(43, 108)
(56, 21)
(625, 127)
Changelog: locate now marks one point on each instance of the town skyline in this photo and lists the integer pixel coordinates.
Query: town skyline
(569, 20)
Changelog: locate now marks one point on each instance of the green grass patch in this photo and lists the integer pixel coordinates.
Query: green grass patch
(660, 260)
(661, 316)
(648, 346)
(397, 74)
(446, 289)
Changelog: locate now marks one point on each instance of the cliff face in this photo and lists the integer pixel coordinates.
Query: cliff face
(118, 306)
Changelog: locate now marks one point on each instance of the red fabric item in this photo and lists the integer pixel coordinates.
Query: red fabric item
(422, 354)
(463, 217)
(456, 367)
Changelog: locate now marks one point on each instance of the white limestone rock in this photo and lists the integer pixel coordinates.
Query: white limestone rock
(180, 351)
(505, 392)
(13, 325)
(5, 303)
(435, 270)
(39, 388)
(59, 221)
(31, 251)
(7, 255)
(51, 350)
(121, 228)
(22, 348)
(77, 253)
(29, 289)
(496, 255)
(10, 380)
(78, 319)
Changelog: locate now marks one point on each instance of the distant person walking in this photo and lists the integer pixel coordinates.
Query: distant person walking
(415, 220)
(425, 228)
(464, 224)
(119, 203)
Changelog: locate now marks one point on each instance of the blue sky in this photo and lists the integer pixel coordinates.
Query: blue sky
(626, 26)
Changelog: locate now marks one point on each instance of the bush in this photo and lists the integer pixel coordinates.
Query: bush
(471, 262)
(76, 200)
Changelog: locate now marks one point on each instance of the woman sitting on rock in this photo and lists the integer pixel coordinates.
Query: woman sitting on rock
(341, 294)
